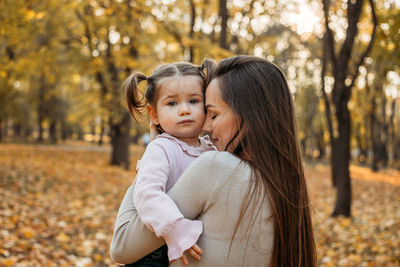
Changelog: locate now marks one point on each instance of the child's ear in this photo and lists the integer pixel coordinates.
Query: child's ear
(152, 114)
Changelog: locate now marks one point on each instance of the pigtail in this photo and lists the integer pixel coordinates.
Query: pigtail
(136, 100)
(207, 70)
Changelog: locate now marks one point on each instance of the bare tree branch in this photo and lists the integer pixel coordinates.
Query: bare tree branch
(330, 42)
(88, 34)
(369, 47)
(171, 30)
(247, 11)
(353, 17)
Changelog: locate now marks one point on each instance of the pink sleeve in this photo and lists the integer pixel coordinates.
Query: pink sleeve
(156, 209)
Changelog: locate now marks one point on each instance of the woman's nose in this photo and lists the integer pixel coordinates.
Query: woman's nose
(207, 125)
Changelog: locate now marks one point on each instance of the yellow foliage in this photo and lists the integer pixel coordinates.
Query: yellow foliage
(354, 258)
(97, 257)
(345, 222)
(28, 232)
(76, 78)
(62, 237)
(391, 46)
(77, 203)
(109, 11)
(40, 15)
(8, 261)
(74, 196)
(30, 14)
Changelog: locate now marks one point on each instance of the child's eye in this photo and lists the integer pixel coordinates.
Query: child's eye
(194, 101)
(172, 103)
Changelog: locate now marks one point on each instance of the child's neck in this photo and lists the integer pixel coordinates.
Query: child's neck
(195, 142)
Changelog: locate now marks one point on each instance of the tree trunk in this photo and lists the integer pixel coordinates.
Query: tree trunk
(395, 142)
(17, 129)
(385, 134)
(362, 153)
(41, 107)
(325, 45)
(341, 93)
(374, 136)
(27, 131)
(120, 127)
(64, 131)
(40, 125)
(102, 129)
(379, 129)
(53, 132)
(5, 127)
(120, 140)
(341, 164)
(1, 129)
(93, 131)
(223, 13)
(320, 143)
(191, 33)
(341, 147)
(80, 133)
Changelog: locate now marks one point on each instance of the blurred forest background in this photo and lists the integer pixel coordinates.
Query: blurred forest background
(62, 64)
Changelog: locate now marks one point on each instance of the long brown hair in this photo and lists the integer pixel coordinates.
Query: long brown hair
(137, 101)
(259, 95)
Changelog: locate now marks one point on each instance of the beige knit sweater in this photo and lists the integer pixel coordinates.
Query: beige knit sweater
(212, 189)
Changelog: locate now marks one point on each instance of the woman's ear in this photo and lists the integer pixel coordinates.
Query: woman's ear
(152, 114)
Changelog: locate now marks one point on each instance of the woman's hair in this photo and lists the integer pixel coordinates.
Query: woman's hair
(259, 95)
(137, 102)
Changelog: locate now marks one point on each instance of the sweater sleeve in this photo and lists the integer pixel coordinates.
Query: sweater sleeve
(197, 184)
(156, 209)
(132, 240)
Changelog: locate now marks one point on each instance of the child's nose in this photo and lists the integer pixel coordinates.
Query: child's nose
(184, 109)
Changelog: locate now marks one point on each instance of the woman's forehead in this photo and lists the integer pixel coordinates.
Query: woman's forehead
(213, 94)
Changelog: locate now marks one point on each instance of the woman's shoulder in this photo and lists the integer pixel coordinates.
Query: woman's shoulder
(219, 155)
(212, 160)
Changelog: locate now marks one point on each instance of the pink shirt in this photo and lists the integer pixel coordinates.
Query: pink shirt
(163, 162)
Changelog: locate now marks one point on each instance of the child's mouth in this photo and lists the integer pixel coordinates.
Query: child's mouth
(185, 121)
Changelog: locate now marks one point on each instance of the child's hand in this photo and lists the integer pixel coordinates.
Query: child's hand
(194, 251)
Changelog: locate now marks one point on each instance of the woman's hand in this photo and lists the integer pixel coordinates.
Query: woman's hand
(195, 251)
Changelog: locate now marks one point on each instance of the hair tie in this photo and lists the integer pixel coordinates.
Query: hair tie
(201, 67)
(202, 74)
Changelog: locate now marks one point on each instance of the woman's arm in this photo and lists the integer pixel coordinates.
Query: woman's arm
(132, 240)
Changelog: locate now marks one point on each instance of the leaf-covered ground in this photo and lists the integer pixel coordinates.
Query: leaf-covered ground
(58, 206)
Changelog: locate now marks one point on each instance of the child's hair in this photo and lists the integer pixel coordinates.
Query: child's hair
(137, 102)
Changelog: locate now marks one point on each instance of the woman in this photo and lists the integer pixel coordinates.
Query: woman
(252, 198)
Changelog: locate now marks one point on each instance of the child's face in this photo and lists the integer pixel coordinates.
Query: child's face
(180, 108)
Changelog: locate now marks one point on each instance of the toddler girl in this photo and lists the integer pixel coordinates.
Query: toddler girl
(174, 100)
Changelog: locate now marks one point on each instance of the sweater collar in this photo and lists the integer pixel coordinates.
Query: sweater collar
(205, 144)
